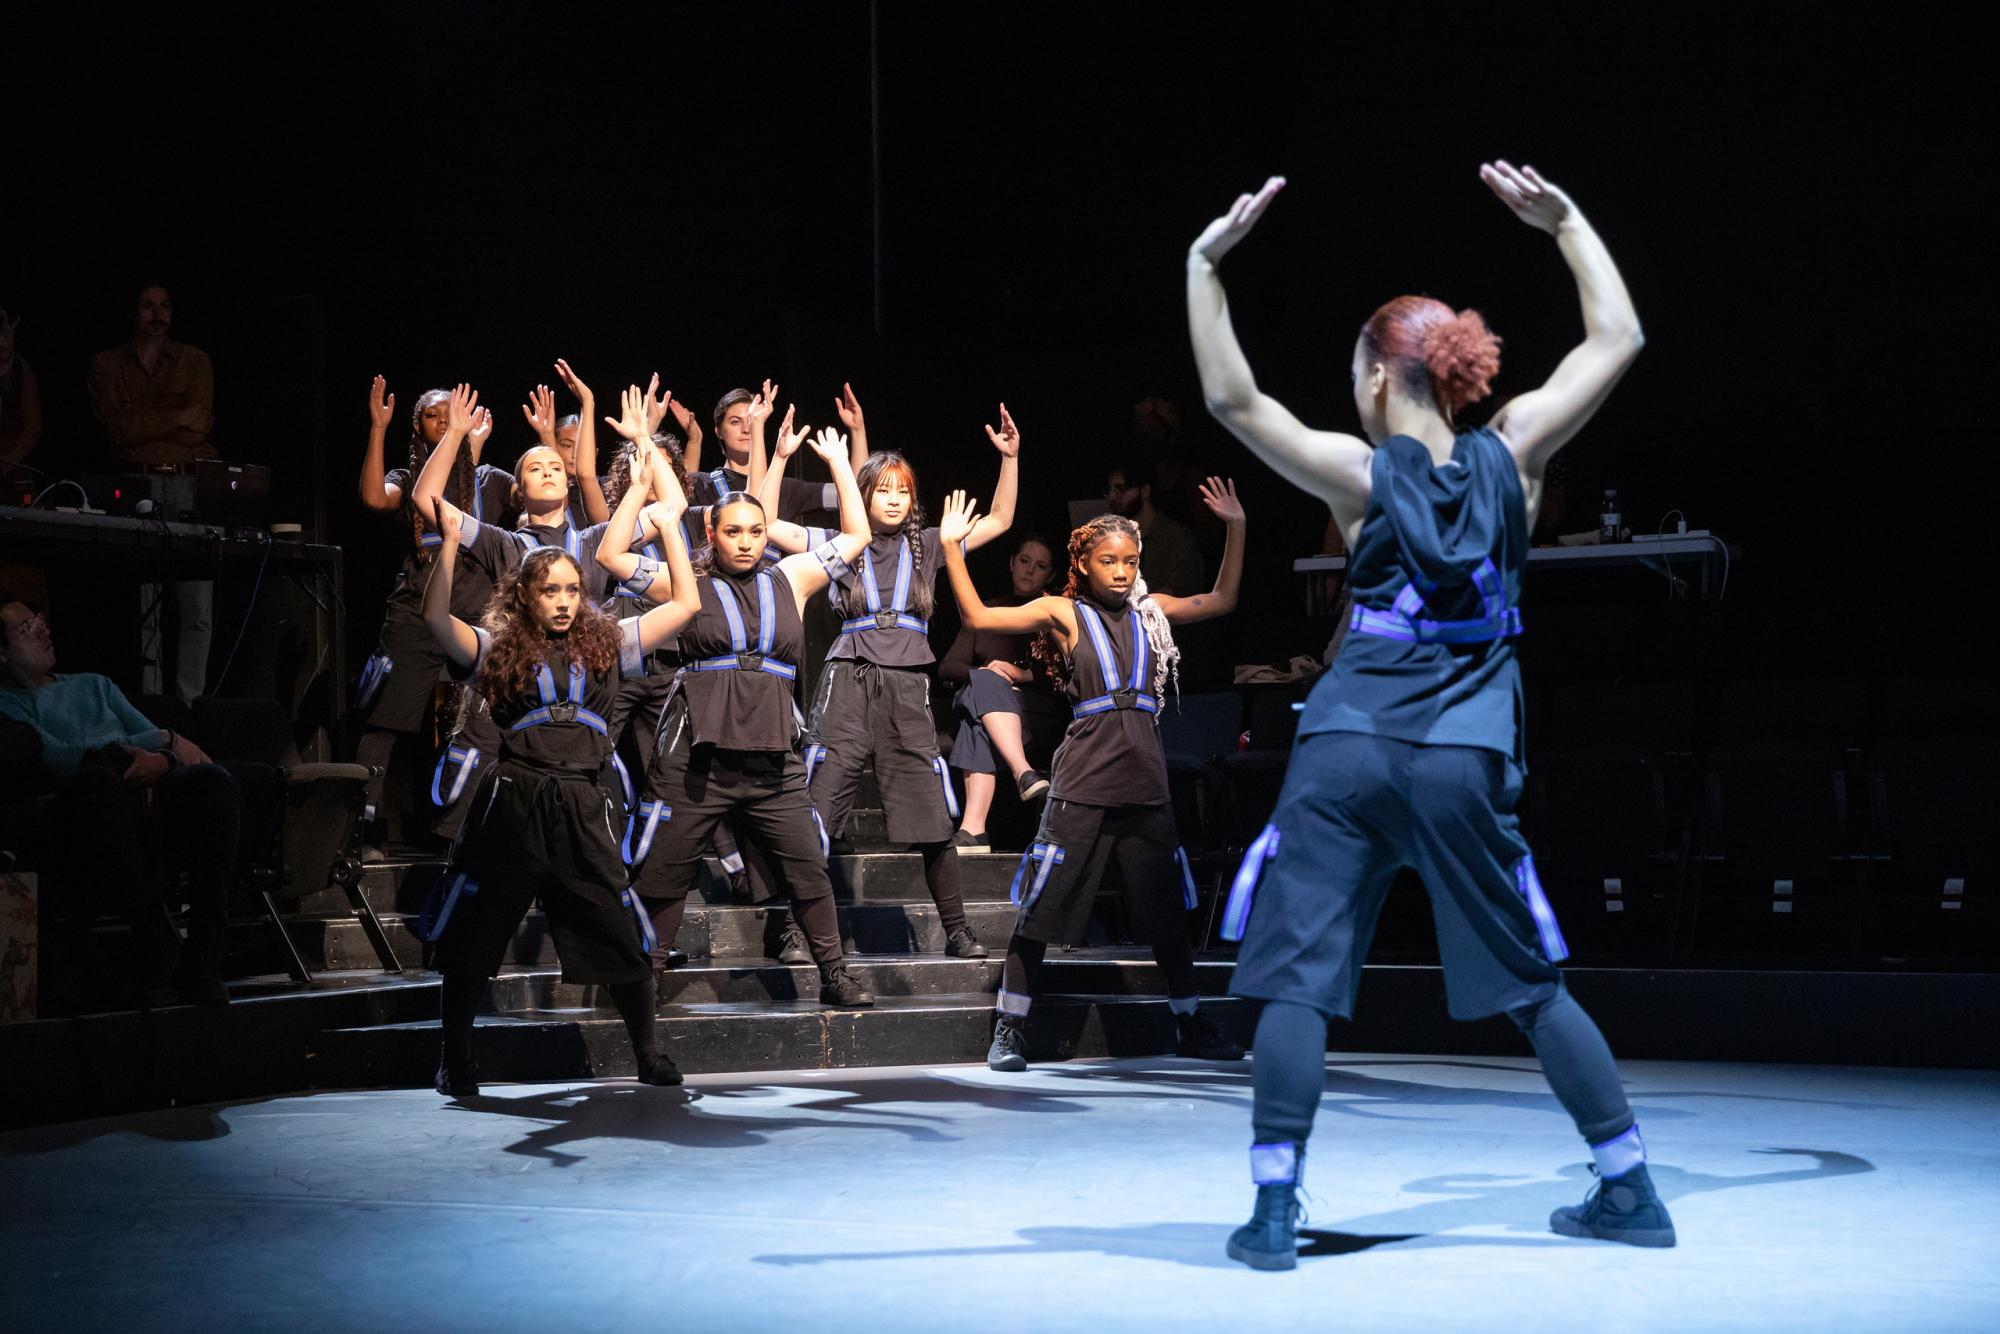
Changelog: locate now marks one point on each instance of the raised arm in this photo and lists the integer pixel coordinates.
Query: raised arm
(662, 623)
(1044, 613)
(1008, 441)
(1538, 423)
(614, 549)
(849, 408)
(1327, 464)
(690, 430)
(760, 412)
(459, 410)
(594, 507)
(375, 493)
(811, 571)
(785, 535)
(454, 636)
(1219, 494)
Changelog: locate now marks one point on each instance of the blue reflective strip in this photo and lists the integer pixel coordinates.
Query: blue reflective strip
(1100, 641)
(540, 717)
(767, 612)
(1052, 857)
(1243, 889)
(814, 754)
(1188, 893)
(1020, 869)
(1105, 703)
(649, 815)
(647, 938)
(1530, 887)
(730, 664)
(904, 621)
(1274, 1164)
(725, 597)
(944, 777)
(819, 827)
(624, 778)
(467, 759)
(460, 885)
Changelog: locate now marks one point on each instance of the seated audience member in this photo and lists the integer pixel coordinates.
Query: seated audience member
(1005, 705)
(155, 399)
(1169, 557)
(20, 397)
(111, 765)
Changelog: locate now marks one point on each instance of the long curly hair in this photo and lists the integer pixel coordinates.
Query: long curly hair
(519, 647)
(1047, 649)
(620, 478)
(458, 488)
(854, 600)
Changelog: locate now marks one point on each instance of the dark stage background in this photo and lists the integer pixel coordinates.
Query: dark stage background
(1797, 194)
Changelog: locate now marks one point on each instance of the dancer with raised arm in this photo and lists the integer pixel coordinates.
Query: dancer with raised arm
(548, 663)
(1410, 751)
(1110, 644)
(874, 698)
(727, 746)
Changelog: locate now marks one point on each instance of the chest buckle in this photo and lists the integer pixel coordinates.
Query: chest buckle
(885, 619)
(749, 662)
(563, 711)
(1127, 698)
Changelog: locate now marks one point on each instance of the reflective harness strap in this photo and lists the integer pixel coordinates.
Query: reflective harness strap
(555, 709)
(645, 822)
(1044, 857)
(719, 478)
(895, 616)
(624, 778)
(1243, 889)
(373, 673)
(467, 759)
(1134, 694)
(1404, 622)
(1189, 895)
(478, 512)
(740, 657)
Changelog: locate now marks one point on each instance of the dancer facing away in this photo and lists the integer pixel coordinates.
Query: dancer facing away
(874, 697)
(1409, 752)
(728, 738)
(1110, 644)
(397, 681)
(1004, 702)
(548, 664)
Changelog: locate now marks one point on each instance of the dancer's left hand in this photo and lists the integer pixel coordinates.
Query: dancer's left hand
(1008, 438)
(960, 513)
(1533, 199)
(1219, 494)
(1220, 237)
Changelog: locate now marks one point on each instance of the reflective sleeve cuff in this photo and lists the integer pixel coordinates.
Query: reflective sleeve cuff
(641, 578)
(829, 496)
(631, 658)
(828, 555)
(468, 533)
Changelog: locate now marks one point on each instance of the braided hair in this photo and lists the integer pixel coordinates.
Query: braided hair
(855, 598)
(1047, 649)
(458, 488)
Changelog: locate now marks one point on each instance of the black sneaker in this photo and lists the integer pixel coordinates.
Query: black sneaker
(793, 947)
(1033, 783)
(1200, 1037)
(658, 1069)
(457, 1079)
(967, 841)
(962, 944)
(1009, 1051)
(838, 987)
(673, 959)
(1270, 1240)
(1622, 1208)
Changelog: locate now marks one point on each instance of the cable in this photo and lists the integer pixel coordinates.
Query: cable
(56, 485)
(248, 611)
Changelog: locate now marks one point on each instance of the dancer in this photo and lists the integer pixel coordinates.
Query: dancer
(740, 419)
(874, 696)
(397, 681)
(1410, 750)
(575, 438)
(728, 738)
(1110, 644)
(1004, 700)
(548, 663)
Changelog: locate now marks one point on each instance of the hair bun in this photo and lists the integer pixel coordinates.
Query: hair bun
(1463, 356)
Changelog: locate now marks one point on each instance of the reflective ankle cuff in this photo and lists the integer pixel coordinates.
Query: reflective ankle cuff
(1275, 1164)
(1183, 1004)
(1616, 1157)
(1012, 1003)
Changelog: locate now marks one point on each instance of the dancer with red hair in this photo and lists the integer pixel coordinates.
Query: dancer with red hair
(1410, 752)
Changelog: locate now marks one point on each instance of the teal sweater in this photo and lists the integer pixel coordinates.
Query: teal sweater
(75, 715)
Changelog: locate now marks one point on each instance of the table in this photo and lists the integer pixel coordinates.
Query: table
(1709, 553)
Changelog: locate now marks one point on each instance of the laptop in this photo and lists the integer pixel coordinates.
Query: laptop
(1082, 512)
(232, 495)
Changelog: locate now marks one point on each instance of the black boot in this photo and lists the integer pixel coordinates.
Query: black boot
(1622, 1208)
(1009, 1051)
(1270, 1240)
(1199, 1036)
(962, 944)
(784, 941)
(838, 987)
(658, 1069)
(457, 1079)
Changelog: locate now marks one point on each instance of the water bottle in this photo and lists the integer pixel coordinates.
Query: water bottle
(1611, 523)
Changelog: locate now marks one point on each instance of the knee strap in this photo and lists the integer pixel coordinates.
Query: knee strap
(644, 823)
(1243, 889)
(648, 940)
(1188, 894)
(944, 777)
(438, 905)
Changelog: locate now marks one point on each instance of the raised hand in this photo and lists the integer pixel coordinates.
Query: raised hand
(789, 440)
(632, 422)
(482, 427)
(829, 444)
(1533, 199)
(960, 513)
(448, 520)
(578, 387)
(459, 407)
(540, 410)
(1219, 494)
(1008, 438)
(763, 405)
(683, 417)
(1220, 237)
(642, 465)
(381, 405)
(849, 408)
(658, 405)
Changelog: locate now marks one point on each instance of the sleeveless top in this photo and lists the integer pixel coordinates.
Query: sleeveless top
(1111, 755)
(492, 496)
(740, 659)
(1436, 583)
(883, 628)
(559, 727)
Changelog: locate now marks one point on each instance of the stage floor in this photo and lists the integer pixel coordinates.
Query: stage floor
(1092, 1195)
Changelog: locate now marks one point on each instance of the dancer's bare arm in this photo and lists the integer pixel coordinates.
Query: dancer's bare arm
(1538, 423)
(377, 494)
(1219, 494)
(1044, 613)
(1327, 464)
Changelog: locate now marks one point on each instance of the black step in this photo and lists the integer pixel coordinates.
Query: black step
(763, 1035)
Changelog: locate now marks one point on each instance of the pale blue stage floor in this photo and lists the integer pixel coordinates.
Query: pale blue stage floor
(1092, 1196)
